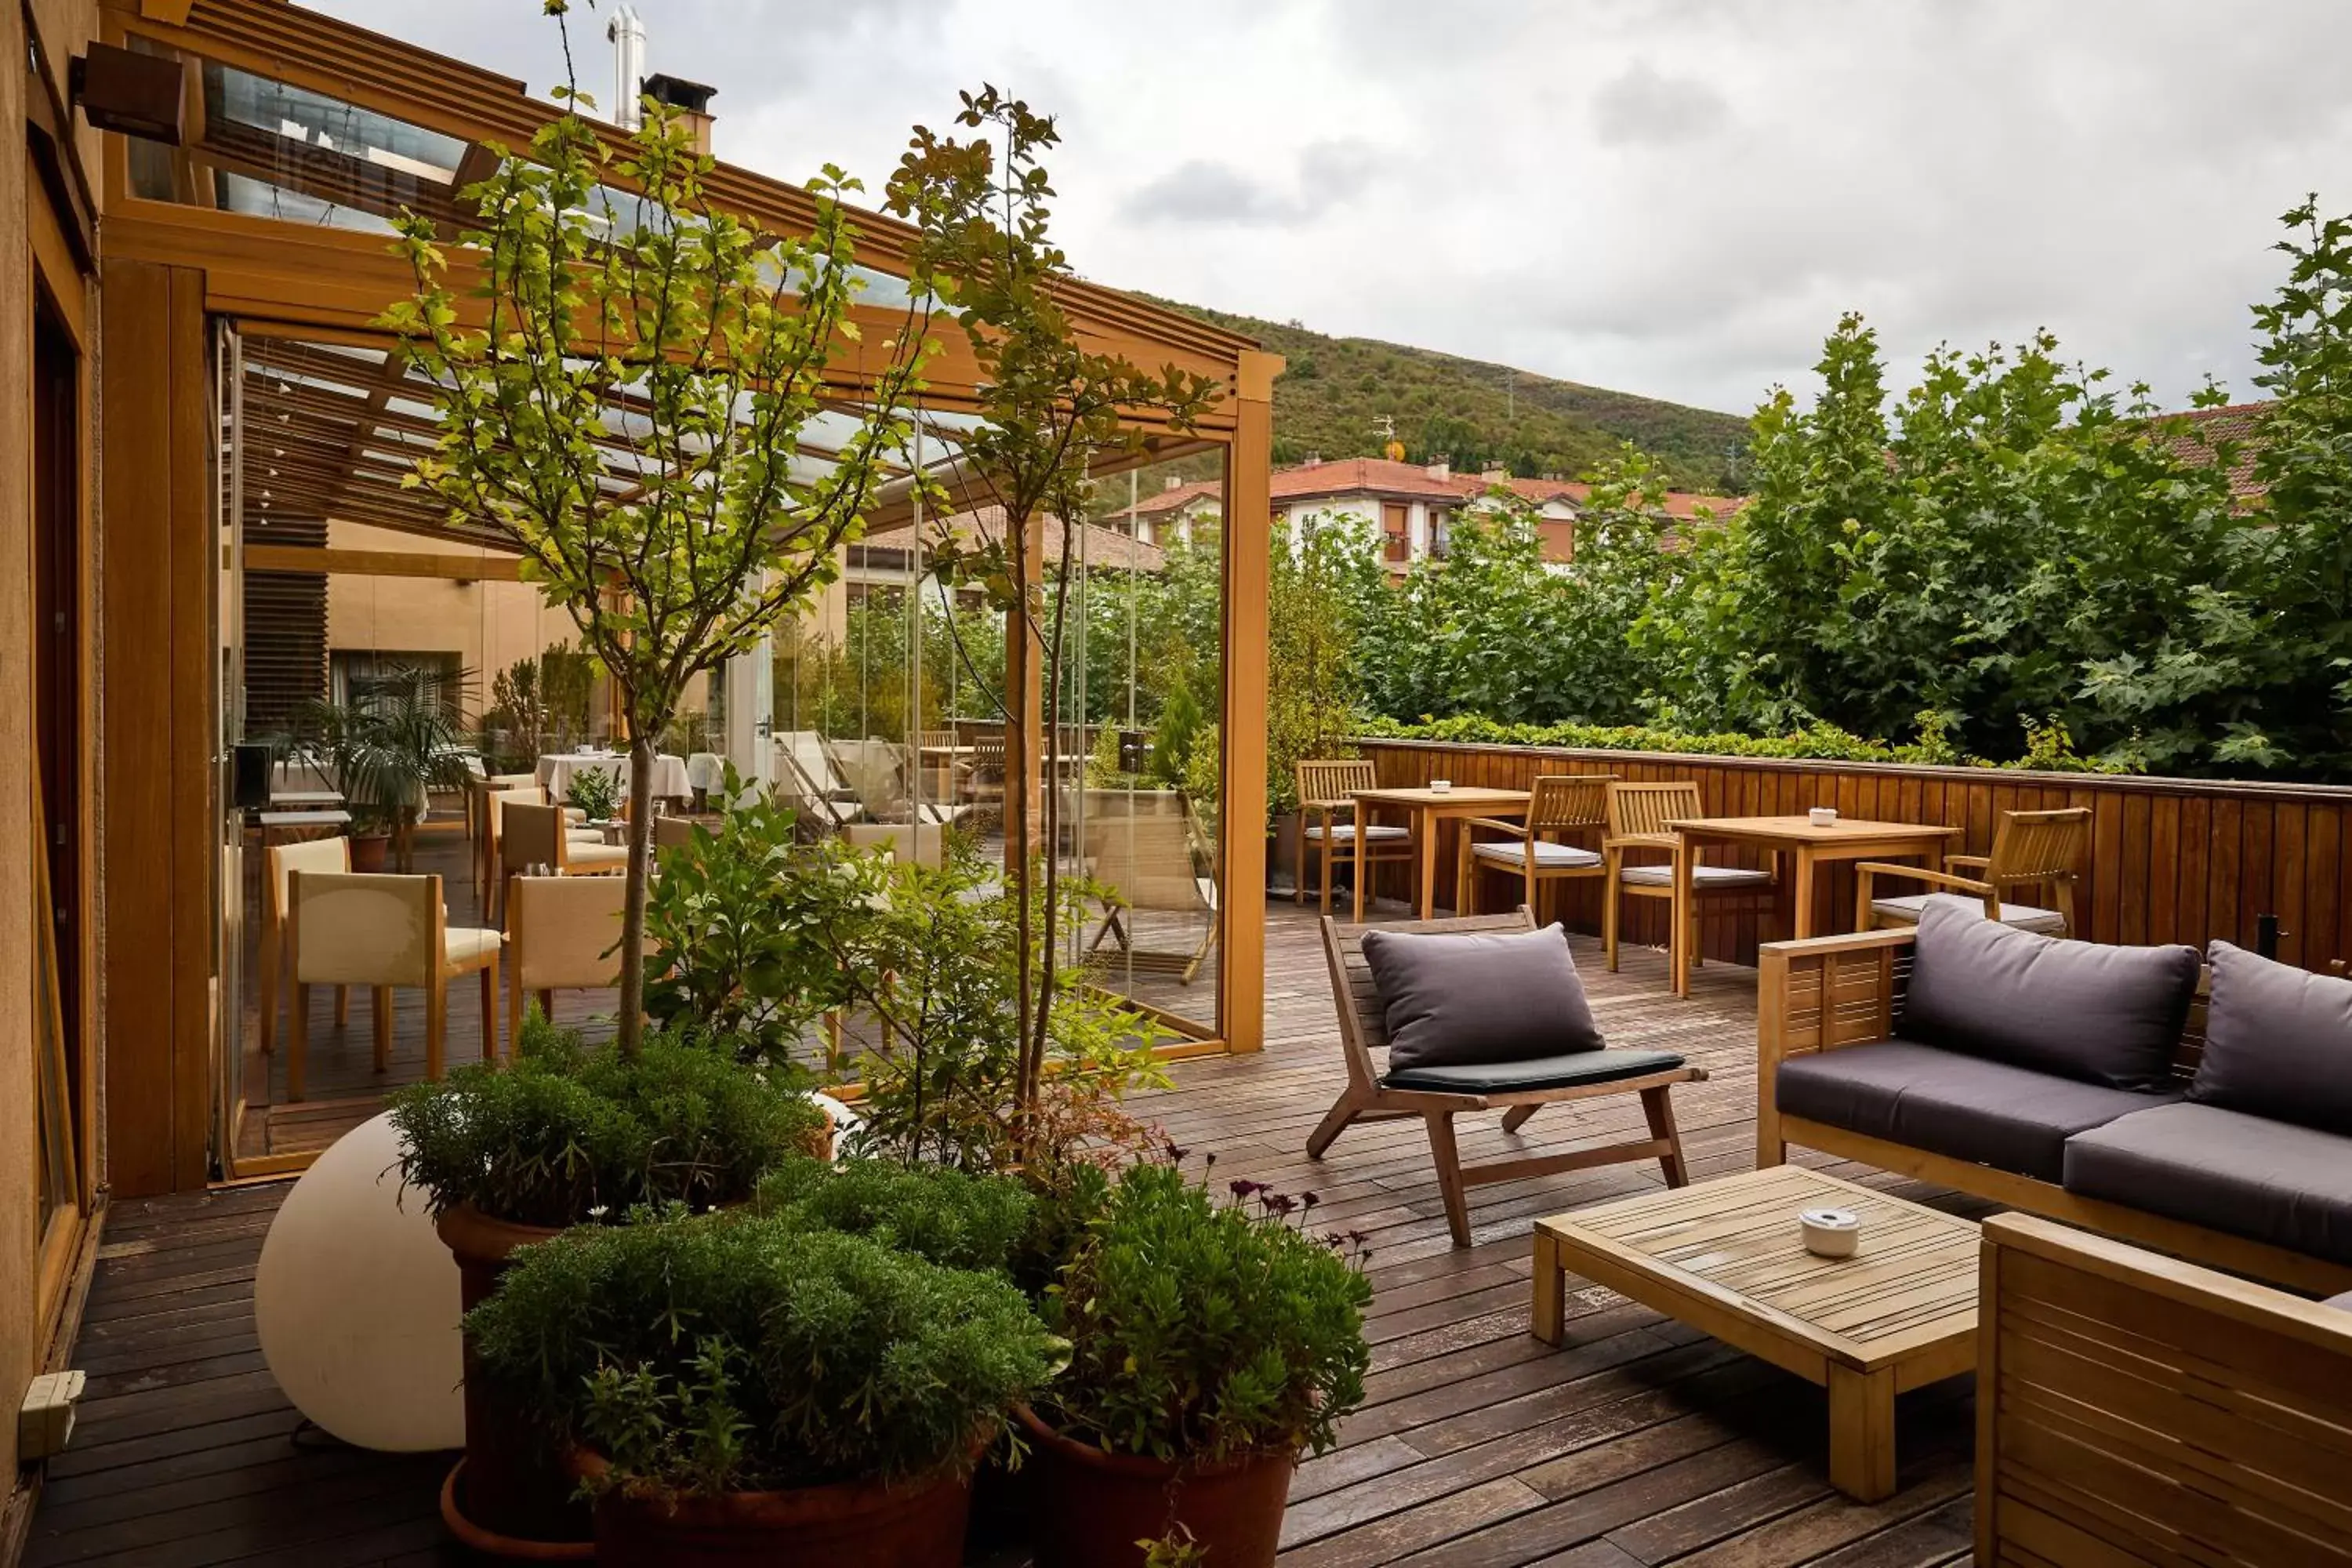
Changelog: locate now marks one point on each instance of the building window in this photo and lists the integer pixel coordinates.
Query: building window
(1396, 533)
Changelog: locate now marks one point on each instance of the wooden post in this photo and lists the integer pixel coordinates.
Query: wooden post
(1249, 527)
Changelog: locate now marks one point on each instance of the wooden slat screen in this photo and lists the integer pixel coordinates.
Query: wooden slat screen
(284, 635)
(2171, 859)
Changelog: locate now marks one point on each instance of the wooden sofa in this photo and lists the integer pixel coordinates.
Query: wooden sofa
(2134, 1409)
(1837, 990)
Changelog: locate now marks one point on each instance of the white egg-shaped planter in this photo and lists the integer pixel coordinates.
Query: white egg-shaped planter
(355, 1302)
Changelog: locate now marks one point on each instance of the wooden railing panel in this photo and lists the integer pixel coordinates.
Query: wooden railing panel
(2168, 859)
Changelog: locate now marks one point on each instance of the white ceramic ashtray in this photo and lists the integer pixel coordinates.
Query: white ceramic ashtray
(1823, 816)
(1831, 1233)
(1439, 786)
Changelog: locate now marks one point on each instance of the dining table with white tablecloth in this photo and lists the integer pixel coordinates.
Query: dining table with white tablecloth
(557, 770)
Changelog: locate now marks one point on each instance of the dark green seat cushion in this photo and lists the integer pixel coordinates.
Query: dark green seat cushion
(1537, 1072)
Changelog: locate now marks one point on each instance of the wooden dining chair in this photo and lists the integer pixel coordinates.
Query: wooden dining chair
(1638, 815)
(563, 933)
(383, 931)
(1370, 1096)
(2031, 849)
(284, 860)
(1558, 806)
(490, 861)
(535, 836)
(479, 787)
(1326, 795)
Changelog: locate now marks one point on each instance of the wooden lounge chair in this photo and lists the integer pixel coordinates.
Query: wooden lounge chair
(1325, 795)
(810, 775)
(1363, 1027)
(1638, 815)
(1146, 863)
(1560, 803)
(2038, 849)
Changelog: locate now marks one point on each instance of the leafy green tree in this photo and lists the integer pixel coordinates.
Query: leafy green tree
(1051, 412)
(701, 340)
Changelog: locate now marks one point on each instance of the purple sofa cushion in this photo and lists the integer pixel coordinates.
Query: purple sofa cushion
(2278, 1042)
(1462, 998)
(2108, 1015)
(2244, 1175)
(1948, 1103)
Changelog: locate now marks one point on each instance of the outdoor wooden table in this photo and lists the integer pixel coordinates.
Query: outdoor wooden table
(1428, 808)
(1726, 1257)
(1847, 838)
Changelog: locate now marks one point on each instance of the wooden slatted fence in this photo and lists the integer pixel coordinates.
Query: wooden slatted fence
(2171, 859)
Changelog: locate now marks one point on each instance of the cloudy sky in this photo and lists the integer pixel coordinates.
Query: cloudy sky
(1673, 197)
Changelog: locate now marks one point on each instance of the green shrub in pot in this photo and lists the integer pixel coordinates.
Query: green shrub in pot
(570, 1133)
(934, 1212)
(1210, 1344)
(745, 1376)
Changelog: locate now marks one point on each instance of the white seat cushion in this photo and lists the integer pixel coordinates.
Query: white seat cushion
(2024, 916)
(1550, 856)
(1706, 878)
(468, 945)
(584, 835)
(1345, 832)
(596, 857)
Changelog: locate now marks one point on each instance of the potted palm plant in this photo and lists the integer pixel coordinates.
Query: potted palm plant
(396, 738)
(755, 1388)
(1210, 1345)
(570, 1134)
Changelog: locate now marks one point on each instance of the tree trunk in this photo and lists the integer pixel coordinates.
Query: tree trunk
(641, 756)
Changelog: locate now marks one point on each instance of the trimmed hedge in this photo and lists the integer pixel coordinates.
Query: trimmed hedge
(1826, 743)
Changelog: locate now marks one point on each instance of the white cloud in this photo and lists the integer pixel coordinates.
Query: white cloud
(1673, 197)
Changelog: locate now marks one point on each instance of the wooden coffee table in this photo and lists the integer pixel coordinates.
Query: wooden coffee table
(1725, 1255)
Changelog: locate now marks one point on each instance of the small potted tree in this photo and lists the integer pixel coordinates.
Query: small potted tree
(1210, 1345)
(752, 1388)
(572, 1134)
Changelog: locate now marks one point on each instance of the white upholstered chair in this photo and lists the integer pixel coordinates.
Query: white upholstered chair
(562, 933)
(284, 860)
(383, 931)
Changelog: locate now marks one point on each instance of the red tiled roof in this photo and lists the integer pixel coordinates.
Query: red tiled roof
(1175, 497)
(1379, 476)
(1105, 547)
(2240, 424)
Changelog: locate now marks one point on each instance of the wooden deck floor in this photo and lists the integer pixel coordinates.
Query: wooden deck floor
(1636, 1442)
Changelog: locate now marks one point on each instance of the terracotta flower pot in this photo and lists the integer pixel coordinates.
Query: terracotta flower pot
(516, 1496)
(369, 851)
(1094, 1507)
(917, 1523)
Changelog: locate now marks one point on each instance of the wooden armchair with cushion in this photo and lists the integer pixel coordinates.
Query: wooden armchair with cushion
(563, 934)
(1638, 815)
(1326, 795)
(383, 931)
(1560, 803)
(2132, 1409)
(531, 837)
(2036, 849)
(1455, 1053)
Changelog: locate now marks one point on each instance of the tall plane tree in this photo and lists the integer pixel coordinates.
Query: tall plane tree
(627, 378)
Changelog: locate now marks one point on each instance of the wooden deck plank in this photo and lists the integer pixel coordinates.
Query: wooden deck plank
(1638, 1443)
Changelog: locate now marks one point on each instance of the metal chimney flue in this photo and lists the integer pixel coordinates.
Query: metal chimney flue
(626, 31)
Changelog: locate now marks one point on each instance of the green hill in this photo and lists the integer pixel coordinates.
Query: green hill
(1335, 391)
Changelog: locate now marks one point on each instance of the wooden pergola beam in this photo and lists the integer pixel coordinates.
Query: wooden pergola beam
(383, 564)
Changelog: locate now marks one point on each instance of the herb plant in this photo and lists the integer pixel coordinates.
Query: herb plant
(1202, 1332)
(743, 1353)
(571, 1133)
(597, 793)
(945, 1215)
